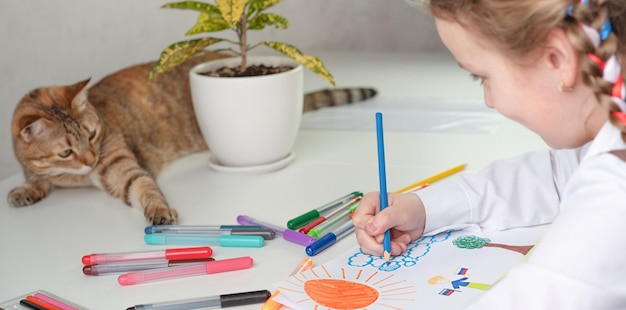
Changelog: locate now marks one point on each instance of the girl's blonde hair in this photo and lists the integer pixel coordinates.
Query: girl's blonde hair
(520, 26)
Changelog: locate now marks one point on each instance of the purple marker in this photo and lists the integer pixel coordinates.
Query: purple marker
(287, 234)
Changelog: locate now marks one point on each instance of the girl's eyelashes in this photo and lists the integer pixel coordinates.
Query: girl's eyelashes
(476, 78)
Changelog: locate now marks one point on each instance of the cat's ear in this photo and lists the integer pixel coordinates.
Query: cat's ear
(35, 130)
(78, 94)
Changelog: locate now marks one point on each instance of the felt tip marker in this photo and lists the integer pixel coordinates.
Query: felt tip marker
(168, 254)
(330, 239)
(333, 222)
(54, 301)
(266, 233)
(104, 269)
(155, 229)
(224, 241)
(307, 217)
(36, 303)
(306, 228)
(213, 302)
(31, 305)
(222, 265)
(287, 234)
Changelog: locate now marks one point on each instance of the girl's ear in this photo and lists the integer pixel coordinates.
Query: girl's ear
(561, 56)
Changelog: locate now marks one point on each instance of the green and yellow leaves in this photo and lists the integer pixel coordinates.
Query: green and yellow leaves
(267, 19)
(209, 20)
(230, 14)
(232, 10)
(310, 62)
(261, 5)
(178, 53)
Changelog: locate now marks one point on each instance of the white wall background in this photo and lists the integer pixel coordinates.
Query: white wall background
(59, 42)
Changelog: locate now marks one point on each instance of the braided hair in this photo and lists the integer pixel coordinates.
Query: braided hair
(519, 26)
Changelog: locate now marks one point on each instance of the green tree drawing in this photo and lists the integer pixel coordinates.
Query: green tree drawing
(475, 242)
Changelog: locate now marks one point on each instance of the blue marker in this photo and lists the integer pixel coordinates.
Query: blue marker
(225, 241)
(329, 239)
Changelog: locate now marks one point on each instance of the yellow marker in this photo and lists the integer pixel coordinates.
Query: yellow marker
(271, 304)
(432, 179)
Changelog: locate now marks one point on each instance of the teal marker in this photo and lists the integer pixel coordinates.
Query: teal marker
(223, 240)
(305, 218)
(323, 228)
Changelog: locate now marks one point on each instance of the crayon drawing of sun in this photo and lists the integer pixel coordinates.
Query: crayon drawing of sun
(349, 288)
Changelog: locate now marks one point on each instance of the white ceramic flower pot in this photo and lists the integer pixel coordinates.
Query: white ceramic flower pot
(248, 121)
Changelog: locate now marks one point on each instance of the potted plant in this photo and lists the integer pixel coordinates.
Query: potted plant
(249, 119)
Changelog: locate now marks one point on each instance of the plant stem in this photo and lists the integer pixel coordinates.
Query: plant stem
(522, 249)
(243, 38)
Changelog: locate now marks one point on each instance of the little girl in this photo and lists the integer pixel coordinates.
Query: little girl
(554, 66)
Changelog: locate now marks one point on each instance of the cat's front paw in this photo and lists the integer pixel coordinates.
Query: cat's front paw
(24, 196)
(160, 214)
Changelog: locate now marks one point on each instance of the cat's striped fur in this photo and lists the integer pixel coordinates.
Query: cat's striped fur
(118, 135)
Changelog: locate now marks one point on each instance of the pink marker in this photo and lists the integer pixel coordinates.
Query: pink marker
(168, 254)
(216, 266)
(54, 301)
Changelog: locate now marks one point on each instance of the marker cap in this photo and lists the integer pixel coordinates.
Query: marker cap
(225, 241)
(297, 237)
(188, 253)
(241, 241)
(321, 244)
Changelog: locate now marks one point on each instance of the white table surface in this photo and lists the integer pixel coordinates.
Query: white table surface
(42, 245)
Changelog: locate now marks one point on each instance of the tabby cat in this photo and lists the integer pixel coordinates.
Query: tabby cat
(118, 135)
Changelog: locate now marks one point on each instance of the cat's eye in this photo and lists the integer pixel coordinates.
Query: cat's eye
(92, 135)
(65, 153)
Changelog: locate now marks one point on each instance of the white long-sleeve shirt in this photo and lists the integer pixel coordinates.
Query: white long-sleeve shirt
(580, 262)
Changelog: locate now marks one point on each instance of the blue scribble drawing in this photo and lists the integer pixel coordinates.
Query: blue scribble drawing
(416, 250)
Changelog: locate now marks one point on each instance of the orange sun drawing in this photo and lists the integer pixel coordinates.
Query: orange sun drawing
(350, 288)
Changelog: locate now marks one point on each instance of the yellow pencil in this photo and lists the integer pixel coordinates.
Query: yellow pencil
(432, 179)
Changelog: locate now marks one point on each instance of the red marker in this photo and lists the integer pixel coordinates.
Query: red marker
(168, 254)
(222, 265)
(306, 228)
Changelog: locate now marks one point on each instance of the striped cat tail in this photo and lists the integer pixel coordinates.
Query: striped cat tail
(336, 96)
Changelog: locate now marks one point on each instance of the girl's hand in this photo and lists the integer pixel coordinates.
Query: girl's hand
(405, 216)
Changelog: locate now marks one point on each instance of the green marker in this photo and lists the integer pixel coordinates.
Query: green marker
(305, 218)
(340, 218)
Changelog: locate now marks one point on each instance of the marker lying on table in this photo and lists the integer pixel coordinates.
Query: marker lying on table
(225, 241)
(266, 233)
(306, 228)
(154, 229)
(104, 269)
(287, 234)
(307, 217)
(329, 239)
(222, 265)
(221, 301)
(168, 254)
(54, 301)
(33, 302)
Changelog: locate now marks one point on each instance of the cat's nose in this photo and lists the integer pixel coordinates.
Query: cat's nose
(89, 159)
